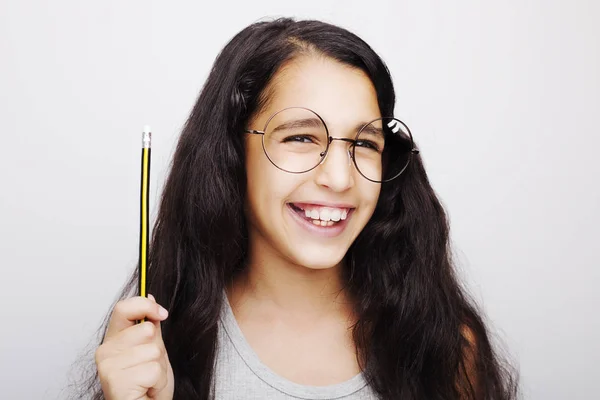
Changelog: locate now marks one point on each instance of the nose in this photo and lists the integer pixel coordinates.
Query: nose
(336, 170)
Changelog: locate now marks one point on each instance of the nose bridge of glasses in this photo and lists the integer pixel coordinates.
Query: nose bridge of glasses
(349, 149)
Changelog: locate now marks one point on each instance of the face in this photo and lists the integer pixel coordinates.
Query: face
(293, 216)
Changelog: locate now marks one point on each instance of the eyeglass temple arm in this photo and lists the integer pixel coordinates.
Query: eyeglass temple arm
(253, 131)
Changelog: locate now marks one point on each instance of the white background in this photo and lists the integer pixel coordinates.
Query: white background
(503, 99)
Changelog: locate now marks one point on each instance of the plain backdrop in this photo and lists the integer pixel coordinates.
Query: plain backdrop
(503, 99)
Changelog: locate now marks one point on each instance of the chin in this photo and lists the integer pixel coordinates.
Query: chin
(318, 260)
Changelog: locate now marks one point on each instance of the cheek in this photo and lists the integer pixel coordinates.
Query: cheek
(369, 193)
(268, 187)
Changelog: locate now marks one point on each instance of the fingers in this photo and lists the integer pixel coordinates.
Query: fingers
(144, 333)
(127, 311)
(136, 355)
(144, 376)
(132, 360)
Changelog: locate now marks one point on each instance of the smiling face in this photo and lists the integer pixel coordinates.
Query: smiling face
(311, 219)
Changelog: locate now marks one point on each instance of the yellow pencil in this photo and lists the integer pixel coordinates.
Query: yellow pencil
(144, 195)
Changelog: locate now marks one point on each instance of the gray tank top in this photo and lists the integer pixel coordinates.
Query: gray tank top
(239, 373)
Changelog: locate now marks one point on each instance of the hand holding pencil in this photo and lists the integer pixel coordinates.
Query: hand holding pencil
(132, 361)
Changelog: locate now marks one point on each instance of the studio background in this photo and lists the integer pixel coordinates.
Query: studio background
(503, 99)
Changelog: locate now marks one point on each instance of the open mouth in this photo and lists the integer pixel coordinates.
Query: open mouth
(321, 216)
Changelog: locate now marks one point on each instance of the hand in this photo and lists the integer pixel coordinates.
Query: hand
(132, 362)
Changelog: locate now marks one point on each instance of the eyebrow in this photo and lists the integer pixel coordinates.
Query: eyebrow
(299, 123)
(370, 130)
(315, 123)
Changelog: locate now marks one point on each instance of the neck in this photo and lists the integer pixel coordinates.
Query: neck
(278, 286)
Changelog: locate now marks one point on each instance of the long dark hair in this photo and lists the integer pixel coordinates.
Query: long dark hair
(416, 324)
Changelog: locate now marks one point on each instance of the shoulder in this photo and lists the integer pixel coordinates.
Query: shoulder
(469, 335)
(469, 352)
(468, 368)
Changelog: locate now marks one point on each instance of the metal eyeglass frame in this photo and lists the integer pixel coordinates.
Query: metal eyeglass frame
(330, 139)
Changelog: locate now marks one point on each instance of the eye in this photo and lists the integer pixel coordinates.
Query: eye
(299, 139)
(367, 144)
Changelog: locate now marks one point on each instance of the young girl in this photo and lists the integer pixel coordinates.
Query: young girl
(299, 248)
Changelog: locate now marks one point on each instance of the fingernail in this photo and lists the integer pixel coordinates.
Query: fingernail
(151, 297)
(162, 312)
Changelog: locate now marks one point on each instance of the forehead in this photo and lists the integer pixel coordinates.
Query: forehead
(342, 95)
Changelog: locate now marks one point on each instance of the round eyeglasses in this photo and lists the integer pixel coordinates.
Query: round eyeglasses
(296, 140)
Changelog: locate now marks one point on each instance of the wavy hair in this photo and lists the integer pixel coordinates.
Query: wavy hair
(419, 334)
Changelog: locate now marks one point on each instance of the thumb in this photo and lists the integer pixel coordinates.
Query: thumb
(158, 326)
(156, 323)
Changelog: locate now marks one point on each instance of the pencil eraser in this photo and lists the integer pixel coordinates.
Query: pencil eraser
(146, 129)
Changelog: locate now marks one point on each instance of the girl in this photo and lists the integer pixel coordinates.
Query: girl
(299, 248)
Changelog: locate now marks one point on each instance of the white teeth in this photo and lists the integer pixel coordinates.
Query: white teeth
(322, 223)
(325, 214)
(336, 215)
